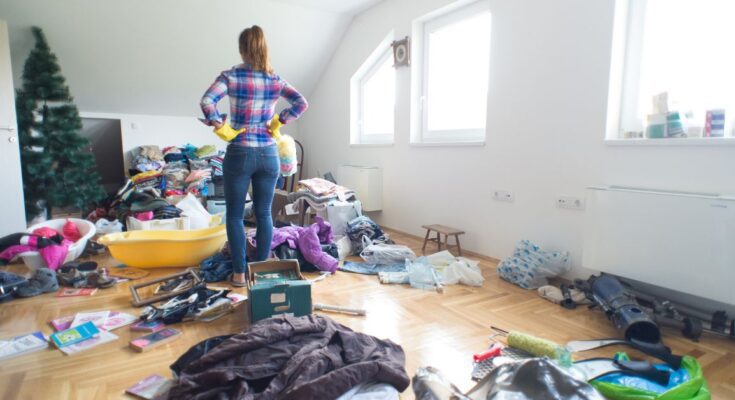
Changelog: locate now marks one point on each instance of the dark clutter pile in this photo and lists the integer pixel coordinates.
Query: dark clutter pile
(284, 357)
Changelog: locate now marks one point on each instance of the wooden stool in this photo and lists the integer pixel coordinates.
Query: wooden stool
(446, 231)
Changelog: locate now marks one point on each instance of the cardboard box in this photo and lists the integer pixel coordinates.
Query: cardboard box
(277, 287)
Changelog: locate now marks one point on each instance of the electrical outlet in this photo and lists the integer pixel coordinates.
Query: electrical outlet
(504, 195)
(573, 203)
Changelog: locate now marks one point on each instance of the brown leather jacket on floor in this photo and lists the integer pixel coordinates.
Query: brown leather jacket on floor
(285, 357)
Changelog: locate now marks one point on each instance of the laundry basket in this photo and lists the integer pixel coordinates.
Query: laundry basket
(34, 260)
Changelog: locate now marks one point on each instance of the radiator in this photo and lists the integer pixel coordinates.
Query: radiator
(367, 182)
(676, 240)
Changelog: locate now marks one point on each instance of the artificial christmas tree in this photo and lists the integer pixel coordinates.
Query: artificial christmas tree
(58, 169)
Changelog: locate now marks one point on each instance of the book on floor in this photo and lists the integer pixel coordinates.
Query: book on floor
(149, 387)
(77, 334)
(102, 338)
(118, 319)
(98, 318)
(72, 292)
(22, 344)
(62, 323)
(155, 339)
(147, 326)
(115, 320)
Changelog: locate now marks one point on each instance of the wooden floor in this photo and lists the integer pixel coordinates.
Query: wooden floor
(442, 330)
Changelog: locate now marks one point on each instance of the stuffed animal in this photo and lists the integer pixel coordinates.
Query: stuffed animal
(286, 148)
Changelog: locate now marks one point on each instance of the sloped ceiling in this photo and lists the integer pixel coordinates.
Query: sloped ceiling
(348, 7)
(158, 57)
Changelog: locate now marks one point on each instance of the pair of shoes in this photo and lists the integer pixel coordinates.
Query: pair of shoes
(74, 274)
(237, 284)
(42, 281)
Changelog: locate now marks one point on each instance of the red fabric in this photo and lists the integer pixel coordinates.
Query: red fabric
(46, 232)
(71, 231)
(144, 216)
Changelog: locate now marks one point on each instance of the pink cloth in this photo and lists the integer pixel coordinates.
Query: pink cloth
(144, 216)
(53, 255)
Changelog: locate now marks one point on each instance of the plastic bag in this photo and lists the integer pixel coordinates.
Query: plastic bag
(454, 270)
(421, 274)
(529, 266)
(385, 253)
(192, 208)
(339, 213)
(693, 389)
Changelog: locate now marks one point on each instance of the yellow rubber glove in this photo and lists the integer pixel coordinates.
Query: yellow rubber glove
(227, 133)
(275, 127)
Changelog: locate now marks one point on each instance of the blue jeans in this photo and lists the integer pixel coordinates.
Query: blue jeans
(243, 165)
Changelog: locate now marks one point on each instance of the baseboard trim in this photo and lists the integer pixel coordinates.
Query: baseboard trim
(464, 252)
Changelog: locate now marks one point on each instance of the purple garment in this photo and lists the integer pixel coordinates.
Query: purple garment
(308, 241)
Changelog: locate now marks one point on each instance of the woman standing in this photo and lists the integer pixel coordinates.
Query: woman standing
(252, 156)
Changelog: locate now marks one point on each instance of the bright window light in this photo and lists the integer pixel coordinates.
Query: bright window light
(378, 99)
(683, 48)
(458, 62)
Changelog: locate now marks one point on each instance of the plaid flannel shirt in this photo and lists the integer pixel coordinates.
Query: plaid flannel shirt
(253, 97)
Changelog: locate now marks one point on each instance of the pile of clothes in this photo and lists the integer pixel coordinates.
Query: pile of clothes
(334, 203)
(312, 245)
(176, 170)
(285, 357)
(197, 303)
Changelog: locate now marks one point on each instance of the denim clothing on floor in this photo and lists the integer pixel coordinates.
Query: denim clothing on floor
(371, 269)
(216, 268)
(242, 166)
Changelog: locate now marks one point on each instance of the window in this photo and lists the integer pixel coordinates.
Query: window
(373, 98)
(680, 48)
(452, 50)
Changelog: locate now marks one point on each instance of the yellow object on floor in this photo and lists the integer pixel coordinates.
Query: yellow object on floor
(154, 249)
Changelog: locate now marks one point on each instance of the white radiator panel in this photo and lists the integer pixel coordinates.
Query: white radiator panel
(680, 241)
(367, 182)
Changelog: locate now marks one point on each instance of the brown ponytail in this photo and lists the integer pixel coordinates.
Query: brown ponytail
(254, 49)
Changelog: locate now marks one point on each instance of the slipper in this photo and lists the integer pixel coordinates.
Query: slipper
(69, 276)
(42, 281)
(237, 284)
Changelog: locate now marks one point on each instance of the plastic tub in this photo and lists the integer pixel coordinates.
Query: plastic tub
(34, 260)
(154, 249)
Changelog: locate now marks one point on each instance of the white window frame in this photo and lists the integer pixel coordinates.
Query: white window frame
(625, 66)
(422, 28)
(366, 71)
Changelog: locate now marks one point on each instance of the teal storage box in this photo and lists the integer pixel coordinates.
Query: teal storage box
(277, 287)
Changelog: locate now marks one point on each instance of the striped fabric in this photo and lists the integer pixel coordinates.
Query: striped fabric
(253, 96)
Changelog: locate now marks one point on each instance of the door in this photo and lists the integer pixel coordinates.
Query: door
(12, 210)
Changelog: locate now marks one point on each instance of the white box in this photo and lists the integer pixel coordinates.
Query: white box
(367, 182)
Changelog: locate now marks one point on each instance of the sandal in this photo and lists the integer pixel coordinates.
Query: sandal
(100, 279)
(237, 284)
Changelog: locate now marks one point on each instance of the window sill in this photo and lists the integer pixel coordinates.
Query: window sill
(448, 144)
(371, 144)
(700, 141)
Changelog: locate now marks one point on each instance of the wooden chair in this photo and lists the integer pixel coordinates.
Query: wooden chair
(442, 230)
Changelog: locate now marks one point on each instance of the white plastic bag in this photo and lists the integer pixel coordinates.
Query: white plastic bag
(454, 270)
(199, 218)
(339, 213)
(385, 253)
(344, 247)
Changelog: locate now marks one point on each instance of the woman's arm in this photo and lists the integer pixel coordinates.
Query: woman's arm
(215, 93)
(297, 101)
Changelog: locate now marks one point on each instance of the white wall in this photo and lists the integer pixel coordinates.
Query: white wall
(546, 125)
(158, 57)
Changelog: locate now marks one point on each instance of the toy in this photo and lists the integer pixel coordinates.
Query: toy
(286, 147)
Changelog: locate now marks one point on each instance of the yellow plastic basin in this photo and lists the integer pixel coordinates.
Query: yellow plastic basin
(154, 249)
